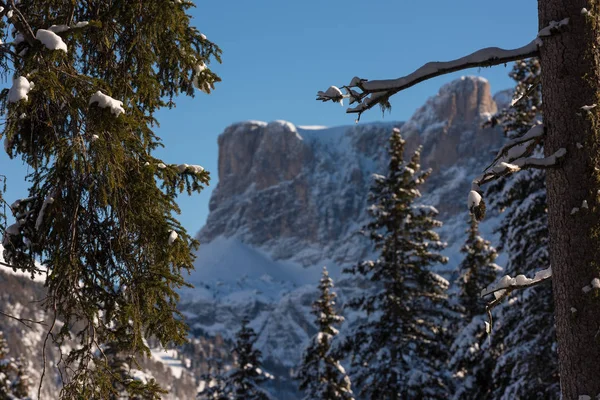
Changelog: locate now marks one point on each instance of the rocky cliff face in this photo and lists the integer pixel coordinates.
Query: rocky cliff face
(299, 193)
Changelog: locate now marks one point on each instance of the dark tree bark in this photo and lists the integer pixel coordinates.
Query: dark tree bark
(571, 79)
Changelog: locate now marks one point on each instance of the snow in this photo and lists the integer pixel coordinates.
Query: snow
(172, 237)
(104, 101)
(332, 93)
(588, 108)
(51, 40)
(40, 218)
(312, 127)
(586, 289)
(506, 282)
(574, 210)
(584, 204)
(552, 26)
(20, 87)
(473, 200)
(182, 167)
(40, 278)
(161, 165)
(192, 168)
(170, 359)
(596, 283)
(222, 259)
(59, 28)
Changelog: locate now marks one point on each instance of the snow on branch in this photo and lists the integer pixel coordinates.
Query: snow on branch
(506, 167)
(379, 91)
(506, 285)
(513, 157)
(105, 101)
(519, 146)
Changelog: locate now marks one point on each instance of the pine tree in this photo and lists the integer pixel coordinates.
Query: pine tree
(471, 364)
(214, 383)
(321, 375)
(243, 383)
(524, 334)
(399, 350)
(14, 382)
(88, 80)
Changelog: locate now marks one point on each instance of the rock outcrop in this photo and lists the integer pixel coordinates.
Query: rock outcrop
(299, 193)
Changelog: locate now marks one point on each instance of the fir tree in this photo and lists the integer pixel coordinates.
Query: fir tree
(471, 365)
(524, 335)
(400, 349)
(243, 382)
(89, 78)
(14, 382)
(321, 375)
(476, 271)
(214, 383)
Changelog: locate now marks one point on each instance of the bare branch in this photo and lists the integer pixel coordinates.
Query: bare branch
(507, 285)
(536, 132)
(379, 91)
(502, 168)
(487, 57)
(24, 321)
(21, 24)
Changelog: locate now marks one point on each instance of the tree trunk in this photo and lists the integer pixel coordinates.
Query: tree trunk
(570, 80)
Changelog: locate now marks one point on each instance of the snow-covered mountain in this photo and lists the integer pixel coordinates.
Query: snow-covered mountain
(290, 199)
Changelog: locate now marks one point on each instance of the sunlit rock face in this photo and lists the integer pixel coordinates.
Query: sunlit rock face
(299, 193)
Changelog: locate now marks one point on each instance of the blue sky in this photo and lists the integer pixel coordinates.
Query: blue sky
(278, 53)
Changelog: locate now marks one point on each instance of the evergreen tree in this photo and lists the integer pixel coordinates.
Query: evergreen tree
(321, 375)
(214, 383)
(524, 335)
(471, 364)
(399, 350)
(14, 382)
(89, 78)
(476, 271)
(243, 383)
